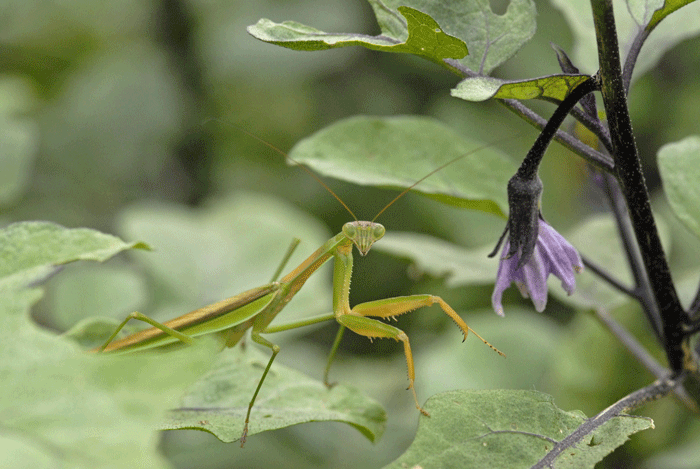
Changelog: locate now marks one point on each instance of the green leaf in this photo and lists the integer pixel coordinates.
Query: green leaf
(219, 401)
(425, 38)
(115, 291)
(30, 251)
(552, 88)
(398, 151)
(223, 247)
(427, 29)
(642, 10)
(669, 6)
(19, 136)
(679, 166)
(668, 34)
(506, 429)
(67, 408)
(459, 266)
(590, 290)
(529, 340)
(92, 332)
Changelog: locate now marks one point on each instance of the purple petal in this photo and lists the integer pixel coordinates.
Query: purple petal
(535, 273)
(552, 255)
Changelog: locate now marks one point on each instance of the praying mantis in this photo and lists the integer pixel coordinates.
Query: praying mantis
(256, 308)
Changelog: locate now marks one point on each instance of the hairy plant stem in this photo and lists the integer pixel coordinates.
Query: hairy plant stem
(629, 173)
(656, 390)
(528, 169)
(592, 156)
(642, 289)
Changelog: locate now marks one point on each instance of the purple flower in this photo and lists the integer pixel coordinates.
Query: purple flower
(552, 255)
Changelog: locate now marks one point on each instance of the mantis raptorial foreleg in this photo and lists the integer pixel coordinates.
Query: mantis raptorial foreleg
(358, 321)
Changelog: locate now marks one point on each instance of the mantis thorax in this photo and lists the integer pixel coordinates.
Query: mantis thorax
(364, 234)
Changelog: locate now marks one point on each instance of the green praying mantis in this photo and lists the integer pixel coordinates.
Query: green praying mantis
(256, 308)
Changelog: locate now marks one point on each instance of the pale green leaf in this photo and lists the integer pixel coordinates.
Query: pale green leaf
(552, 88)
(459, 266)
(66, 408)
(642, 10)
(423, 28)
(398, 151)
(224, 247)
(115, 291)
(668, 7)
(506, 429)
(29, 251)
(219, 401)
(492, 39)
(590, 290)
(424, 38)
(685, 455)
(19, 136)
(679, 166)
(529, 340)
(667, 34)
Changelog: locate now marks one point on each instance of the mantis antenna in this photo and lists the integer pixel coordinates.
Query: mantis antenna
(301, 165)
(440, 168)
(400, 195)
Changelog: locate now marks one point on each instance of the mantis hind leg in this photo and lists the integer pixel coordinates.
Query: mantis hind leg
(142, 317)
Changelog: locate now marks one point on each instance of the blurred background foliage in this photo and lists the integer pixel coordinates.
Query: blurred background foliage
(122, 116)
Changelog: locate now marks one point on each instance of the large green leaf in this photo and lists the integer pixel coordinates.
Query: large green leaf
(668, 7)
(679, 166)
(590, 290)
(427, 29)
(115, 291)
(64, 408)
(458, 265)
(30, 251)
(398, 151)
(552, 88)
(219, 401)
(222, 248)
(507, 429)
(19, 135)
(630, 18)
(424, 38)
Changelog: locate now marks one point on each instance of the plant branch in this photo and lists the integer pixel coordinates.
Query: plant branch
(642, 287)
(654, 391)
(592, 156)
(632, 55)
(629, 173)
(605, 276)
(639, 352)
(594, 125)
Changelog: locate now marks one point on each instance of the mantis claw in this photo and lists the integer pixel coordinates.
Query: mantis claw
(244, 436)
(330, 385)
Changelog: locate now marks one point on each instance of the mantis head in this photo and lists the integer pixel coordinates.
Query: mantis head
(363, 234)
